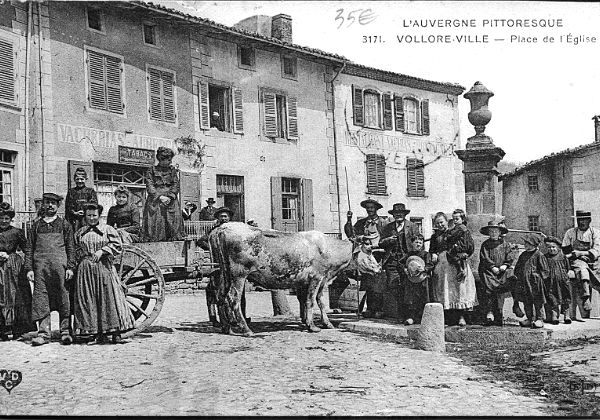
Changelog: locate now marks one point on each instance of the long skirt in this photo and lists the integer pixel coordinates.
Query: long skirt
(100, 304)
(448, 291)
(15, 296)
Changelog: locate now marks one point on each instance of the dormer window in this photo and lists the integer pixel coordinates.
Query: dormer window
(94, 19)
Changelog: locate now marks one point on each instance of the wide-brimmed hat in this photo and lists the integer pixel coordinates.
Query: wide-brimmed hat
(532, 239)
(52, 196)
(399, 208)
(7, 210)
(415, 267)
(210, 200)
(370, 200)
(223, 209)
(485, 230)
(580, 214)
(553, 239)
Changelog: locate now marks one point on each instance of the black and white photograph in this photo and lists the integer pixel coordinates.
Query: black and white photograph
(299, 208)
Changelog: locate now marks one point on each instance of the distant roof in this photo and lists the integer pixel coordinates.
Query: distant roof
(550, 157)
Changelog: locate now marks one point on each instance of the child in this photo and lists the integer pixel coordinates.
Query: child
(557, 285)
(495, 257)
(460, 244)
(77, 198)
(532, 272)
(417, 267)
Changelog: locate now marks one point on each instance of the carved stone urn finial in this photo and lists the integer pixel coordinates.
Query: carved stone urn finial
(479, 115)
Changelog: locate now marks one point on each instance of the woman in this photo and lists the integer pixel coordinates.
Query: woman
(100, 305)
(15, 293)
(162, 212)
(125, 217)
(459, 295)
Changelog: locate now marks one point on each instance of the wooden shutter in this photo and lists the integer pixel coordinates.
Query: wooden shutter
(97, 92)
(308, 216)
(376, 174)
(238, 111)
(415, 177)
(190, 190)
(7, 71)
(114, 100)
(358, 106)
(168, 96)
(425, 117)
(270, 118)
(73, 165)
(292, 110)
(399, 113)
(276, 212)
(154, 84)
(388, 117)
(204, 109)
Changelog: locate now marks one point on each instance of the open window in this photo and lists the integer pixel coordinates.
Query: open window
(221, 107)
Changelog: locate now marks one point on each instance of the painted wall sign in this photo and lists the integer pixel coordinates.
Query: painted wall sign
(137, 156)
(369, 140)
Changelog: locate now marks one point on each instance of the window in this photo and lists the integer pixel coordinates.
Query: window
(372, 109)
(221, 108)
(94, 19)
(7, 164)
(161, 95)
(246, 57)
(418, 221)
(289, 67)
(280, 116)
(292, 204)
(376, 175)
(8, 77)
(105, 82)
(533, 222)
(532, 183)
(230, 193)
(415, 178)
(149, 30)
(411, 121)
(290, 196)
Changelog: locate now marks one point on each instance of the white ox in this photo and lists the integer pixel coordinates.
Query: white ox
(272, 259)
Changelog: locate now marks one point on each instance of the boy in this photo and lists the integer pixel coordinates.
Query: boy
(78, 197)
(532, 272)
(557, 285)
(416, 266)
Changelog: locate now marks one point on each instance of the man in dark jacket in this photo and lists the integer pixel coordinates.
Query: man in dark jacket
(397, 240)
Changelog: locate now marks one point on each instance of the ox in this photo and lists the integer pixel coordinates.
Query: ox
(272, 259)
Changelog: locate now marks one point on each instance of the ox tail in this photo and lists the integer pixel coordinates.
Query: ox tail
(222, 283)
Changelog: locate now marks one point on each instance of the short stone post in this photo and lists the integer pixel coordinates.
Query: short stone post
(431, 333)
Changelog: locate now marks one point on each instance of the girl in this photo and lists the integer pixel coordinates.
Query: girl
(125, 217)
(532, 272)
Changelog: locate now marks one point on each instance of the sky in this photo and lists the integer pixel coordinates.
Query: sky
(546, 93)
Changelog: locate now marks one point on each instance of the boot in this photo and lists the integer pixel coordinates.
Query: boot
(489, 318)
(65, 333)
(527, 322)
(539, 317)
(538, 324)
(567, 319)
(214, 321)
(462, 322)
(517, 309)
(43, 336)
(554, 319)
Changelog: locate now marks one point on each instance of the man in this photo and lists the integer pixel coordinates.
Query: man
(397, 240)
(371, 227)
(77, 197)
(188, 210)
(208, 212)
(49, 263)
(581, 246)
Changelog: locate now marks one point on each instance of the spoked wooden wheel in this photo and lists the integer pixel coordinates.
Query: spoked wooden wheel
(145, 285)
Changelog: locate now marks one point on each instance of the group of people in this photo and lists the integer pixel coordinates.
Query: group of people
(541, 283)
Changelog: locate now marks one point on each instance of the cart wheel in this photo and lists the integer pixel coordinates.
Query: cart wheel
(145, 286)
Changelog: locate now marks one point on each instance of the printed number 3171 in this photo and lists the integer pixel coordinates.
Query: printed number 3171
(365, 16)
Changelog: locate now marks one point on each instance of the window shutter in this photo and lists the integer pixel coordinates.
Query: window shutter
(399, 113)
(276, 212)
(190, 190)
(358, 106)
(97, 93)
(73, 165)
(376, 174)
(168, 93)
(415, 177)
(238, 111)
(308, 216)
(7, 71)
(155, 94)
(113, 84)
(292, 109)
(270, 121)
(425, 117)
(388, 118)
(204, 110)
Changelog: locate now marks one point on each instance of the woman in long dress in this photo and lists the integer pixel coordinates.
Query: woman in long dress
(100, 304)
(162, 213)
(452, 293)
(15, 292)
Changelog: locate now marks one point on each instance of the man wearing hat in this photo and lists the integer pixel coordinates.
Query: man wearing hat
(49, 263)
(77, 198)
(397, 240)
(581, 245)
(370, 227)
(208, 212)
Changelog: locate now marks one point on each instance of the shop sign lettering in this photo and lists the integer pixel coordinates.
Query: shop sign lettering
(133, 155)
(367, 140)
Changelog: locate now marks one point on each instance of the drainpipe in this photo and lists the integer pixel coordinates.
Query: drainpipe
(39, 6)
(27, 97)
(335, 150)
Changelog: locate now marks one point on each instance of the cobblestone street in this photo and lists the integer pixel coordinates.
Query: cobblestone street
(183, 366)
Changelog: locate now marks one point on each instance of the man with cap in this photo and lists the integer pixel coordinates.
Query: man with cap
(372, 228)
(77, 198)
(581, 245)
(208, 212)
(397, 240)
(49, 263)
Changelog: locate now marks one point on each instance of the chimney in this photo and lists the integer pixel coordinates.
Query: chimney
(281, 27)
(597, 128)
